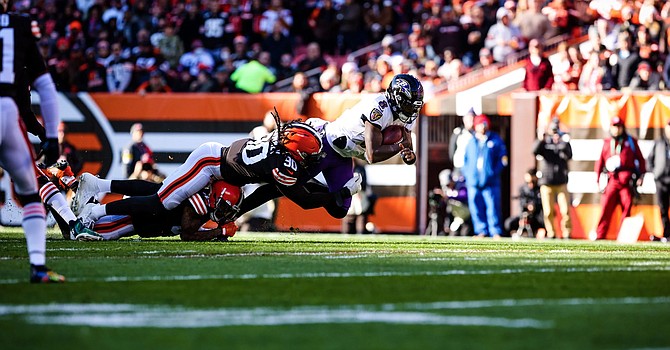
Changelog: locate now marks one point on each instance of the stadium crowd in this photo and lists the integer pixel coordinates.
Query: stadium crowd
(201, 46)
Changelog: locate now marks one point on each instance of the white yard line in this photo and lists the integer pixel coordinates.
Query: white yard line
(250, 276)
(163, 316)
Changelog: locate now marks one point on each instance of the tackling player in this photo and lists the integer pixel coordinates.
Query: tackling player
(20, 55)
(281, 158)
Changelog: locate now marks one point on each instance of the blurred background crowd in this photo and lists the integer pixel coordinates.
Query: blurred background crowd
(251, 46)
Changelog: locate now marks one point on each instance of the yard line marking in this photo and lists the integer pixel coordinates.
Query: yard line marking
(476, 304)
(132, 316)
(360, 274)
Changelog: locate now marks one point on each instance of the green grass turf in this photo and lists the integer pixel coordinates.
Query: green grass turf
(308, 291)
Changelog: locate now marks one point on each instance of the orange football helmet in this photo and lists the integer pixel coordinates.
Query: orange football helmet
(302, 141)
(224, 201)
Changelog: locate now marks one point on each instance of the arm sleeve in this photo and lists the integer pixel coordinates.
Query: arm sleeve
(49, 103)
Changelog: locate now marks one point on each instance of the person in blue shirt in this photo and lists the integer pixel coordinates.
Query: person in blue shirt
(485, 159)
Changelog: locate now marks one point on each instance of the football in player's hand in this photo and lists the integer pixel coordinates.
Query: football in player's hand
(392, 134)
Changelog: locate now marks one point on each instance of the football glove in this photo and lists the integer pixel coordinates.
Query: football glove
(354, 184)
(49, 148)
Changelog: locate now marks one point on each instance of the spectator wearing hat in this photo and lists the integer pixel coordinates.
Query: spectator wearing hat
(539, 73)
(485, 159)
(645, 78)
(623, 163)
(134, 152)
(503, 38)
(155, 84)
(659, 163)
(554, 151)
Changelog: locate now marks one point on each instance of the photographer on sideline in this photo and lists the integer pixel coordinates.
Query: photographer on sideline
(554, 152)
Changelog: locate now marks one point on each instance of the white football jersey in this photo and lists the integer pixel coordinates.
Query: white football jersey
(346, 134)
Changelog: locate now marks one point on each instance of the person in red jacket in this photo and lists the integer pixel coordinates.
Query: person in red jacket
(539, 74)
(624, 165)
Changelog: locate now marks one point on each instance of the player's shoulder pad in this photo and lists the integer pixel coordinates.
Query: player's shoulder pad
(287, 172)
(197, 201)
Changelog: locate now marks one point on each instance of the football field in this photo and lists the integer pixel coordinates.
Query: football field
(313, 291)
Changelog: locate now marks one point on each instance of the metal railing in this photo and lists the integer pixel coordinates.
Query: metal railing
(475, 77)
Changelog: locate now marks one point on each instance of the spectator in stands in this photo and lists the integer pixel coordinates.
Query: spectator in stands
(202, 83)
(532, 23)
(155, 84)
(452, 67)
(313, 59)
(475, 35)
(324, 24)
(146, 61)
(134, 152)
(285, 69)
(182, 81)
(196, 59)
(449, 34)
(355, 83)
(102, 52)
(646, 78)
(624, 62)
(329, 80)
(213, 28)
(539, 74)
(561, 67)
(222, 82)
(647, 48)
(171, 46)
(378, 18)
(503, 38)
(485, 63)
(485, 158)
(530, 205)
(658, 161)
(554, 152)
(350, 17)
(240, 54)
(189, 29)
(277, 44)
(253, 76)
(590, 80)
(92, 75)
(276, 13)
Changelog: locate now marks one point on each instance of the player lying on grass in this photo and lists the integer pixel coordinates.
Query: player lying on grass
(52, 181)
(281, 158)
(218, 202)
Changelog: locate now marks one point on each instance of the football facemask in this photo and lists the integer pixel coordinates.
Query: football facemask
(224, 201)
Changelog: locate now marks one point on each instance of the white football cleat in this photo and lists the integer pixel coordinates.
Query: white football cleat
(88, 188)
(86, 217)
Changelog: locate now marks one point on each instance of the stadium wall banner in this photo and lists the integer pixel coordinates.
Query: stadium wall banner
(175, 124)
(587, 118)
